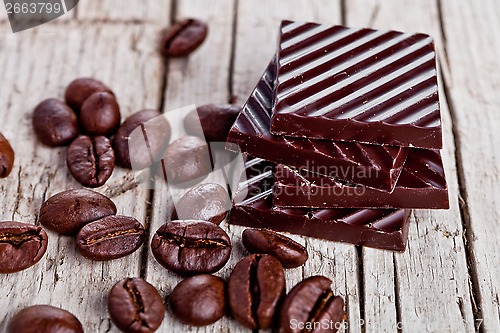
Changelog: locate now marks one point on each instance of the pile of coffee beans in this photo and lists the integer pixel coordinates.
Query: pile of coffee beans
(6, 157)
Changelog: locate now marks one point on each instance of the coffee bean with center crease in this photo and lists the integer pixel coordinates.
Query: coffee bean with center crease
(206, 202)
(67, 212)
(191, 247)
(21, 246)
(6, 157)
(212, 120)
(311, 301)
(186, 161)
(256, 288)
(100, 114)
(80, 89)
(91, 160)
(135, 306)
(110, 238)
(44, 319)
(199, 300)
(55, 123)
(145, 148)
(183, 37)
(286, 250)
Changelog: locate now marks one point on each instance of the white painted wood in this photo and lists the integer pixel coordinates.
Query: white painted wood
(146, 11)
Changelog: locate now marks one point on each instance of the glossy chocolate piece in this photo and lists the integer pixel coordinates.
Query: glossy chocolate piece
(422, 184)
(371, 165)
(252, 207)
(357, 84)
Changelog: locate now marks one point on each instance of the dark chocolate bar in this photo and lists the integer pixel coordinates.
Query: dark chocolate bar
(253, 207)
(354, 84)
(371, 165)
(422, 184)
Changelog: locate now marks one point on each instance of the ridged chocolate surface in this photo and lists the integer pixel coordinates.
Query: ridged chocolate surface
(252, 207)
(371, 165)
(353, 80)
(422, 184)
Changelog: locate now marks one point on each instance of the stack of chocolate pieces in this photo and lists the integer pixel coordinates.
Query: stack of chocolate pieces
(342, 133)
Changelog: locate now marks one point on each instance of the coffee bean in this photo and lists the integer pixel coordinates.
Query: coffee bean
(199, 300)
(215, 120)
(80, 89)
(54, 122)
(135, 306)
(183, 37)
(110, 238)
(21, 246)
(191, 247)
(290, 253)
(186, 161)
(206, 202)
(147, 150)
(309, 302)
(91, 160)
(100, 114)
(44, 319)
(256, 288)
(67, 212)
(6, 157)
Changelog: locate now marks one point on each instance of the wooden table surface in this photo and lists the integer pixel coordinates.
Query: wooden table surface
(448, 280)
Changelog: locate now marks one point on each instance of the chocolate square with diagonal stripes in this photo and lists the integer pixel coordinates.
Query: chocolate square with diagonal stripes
(354, 84)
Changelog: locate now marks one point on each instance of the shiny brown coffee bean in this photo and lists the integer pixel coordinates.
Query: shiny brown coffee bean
(286, 250)
(199, 300)
(55, 123)
(91, 160)
(44, 319)
(206, 202)
(67, 212)
(135, 306)
(309, 302)
(110, 238)
(6, 157)
(186, 161)
(150, 146)
(256, 288)
(100, 114)
(215, 120)
(191, 247)
(183, 37)
(80, 89)
(21, 246)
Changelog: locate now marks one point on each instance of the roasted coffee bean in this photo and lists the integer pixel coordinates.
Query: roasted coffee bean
(6, 157)
(91, 160)
(21, 246)
(67, 212)
(199, 300)
(44, 319)
(100, 114)
(183, 37)
(256, 288)
(80, 89)
(109, 238)
(186, 161)
(191, 247)
(149, 146)
(135, 306)
(215, 120)
(286, 250)
(309, 302)
(206, 202)
(55, 123)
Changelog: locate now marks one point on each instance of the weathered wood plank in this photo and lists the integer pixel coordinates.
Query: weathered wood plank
(64, 278)
(427, 287)
(148, 11)
(471, 30)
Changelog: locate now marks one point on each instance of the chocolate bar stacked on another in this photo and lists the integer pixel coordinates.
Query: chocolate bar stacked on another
(342, 132)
